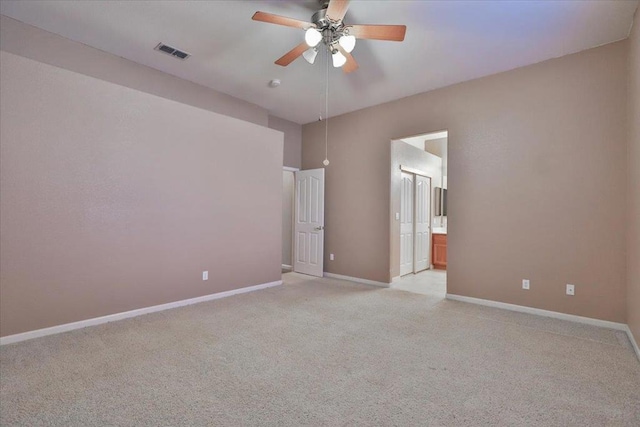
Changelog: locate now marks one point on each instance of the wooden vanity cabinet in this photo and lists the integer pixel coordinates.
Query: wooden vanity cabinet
(439, 251)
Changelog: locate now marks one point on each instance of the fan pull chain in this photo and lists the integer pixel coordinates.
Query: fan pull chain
(326, 114)
(321, 107)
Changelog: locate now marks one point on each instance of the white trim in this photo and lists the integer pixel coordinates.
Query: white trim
(10, 339)
(293, 210)
(634, 344)
(395, 279)
(540, 312)
(414, 171)
(439, 134)
(356, 279)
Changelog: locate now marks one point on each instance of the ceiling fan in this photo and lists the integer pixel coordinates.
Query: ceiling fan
(327, 26)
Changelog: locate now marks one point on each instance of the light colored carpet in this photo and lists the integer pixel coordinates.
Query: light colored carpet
(324, 352)
(428, 282)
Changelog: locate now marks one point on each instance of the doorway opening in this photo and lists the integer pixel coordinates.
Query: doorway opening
(303, 221)
(418, 213)
(308, 225)
(288, 194)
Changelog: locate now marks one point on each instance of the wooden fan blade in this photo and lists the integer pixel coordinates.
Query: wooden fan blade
(294, 53)
(281, 20)
(337, 9)
(393, 33)
(351, 64)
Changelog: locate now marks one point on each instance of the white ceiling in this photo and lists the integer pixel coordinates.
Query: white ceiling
(446, 42)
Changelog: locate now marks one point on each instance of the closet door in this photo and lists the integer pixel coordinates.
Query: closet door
(406, 224)
(422, 220)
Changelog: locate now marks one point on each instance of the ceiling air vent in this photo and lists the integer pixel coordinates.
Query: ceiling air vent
(172, 51)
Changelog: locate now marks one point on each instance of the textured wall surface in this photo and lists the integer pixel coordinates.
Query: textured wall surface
(537, 182)
(114, 199)
(633, 238)
(43, 46)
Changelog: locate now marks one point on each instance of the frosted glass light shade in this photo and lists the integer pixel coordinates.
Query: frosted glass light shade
(338, 59)
(347, 43)
(310, 54)
(312, 37)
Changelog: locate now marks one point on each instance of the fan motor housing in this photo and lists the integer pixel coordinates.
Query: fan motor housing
(331, 30)
(320, 19)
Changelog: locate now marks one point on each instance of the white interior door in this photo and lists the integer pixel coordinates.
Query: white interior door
(309, 223)
(422, 220)
(406, 224)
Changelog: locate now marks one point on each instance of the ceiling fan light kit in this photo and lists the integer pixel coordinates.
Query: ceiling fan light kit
(338, 59)
(310, 55)
(327, 26)
(312, 37)
(348, 42)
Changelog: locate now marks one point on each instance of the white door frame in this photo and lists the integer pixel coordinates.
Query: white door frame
(293, 212)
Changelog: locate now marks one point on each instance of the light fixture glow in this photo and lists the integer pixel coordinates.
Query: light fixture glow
(312, 37)
(338, 59)
(310, 54)
(347, 43)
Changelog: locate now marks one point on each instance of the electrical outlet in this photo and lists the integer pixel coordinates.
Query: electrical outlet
(571, 289)
(331, 257)
(397, 216)
(525, 284)
(205, 275)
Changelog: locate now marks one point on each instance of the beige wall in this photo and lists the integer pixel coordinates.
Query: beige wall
(633, 239)
(536, 179)
(114, 199)
(43, 46)
(32, 42)
(292, 140)
(437, 147)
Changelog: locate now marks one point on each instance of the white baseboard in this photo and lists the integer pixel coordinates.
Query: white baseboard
(540, 312)
(634, 344)
(356, 279)
(10, 339)
(287, 266)
(395, 279)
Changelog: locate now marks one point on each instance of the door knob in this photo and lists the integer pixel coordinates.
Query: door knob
(319, 228)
